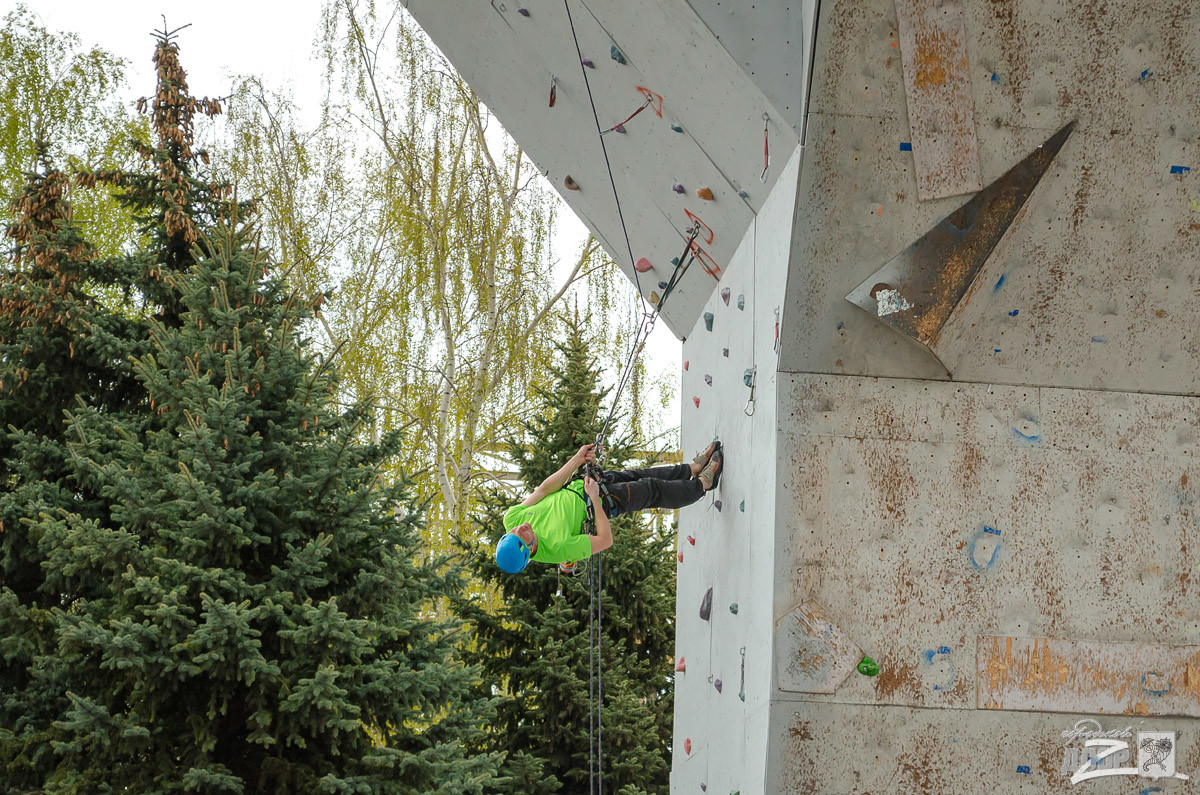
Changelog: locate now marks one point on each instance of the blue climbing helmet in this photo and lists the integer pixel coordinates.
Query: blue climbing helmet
(512, 554)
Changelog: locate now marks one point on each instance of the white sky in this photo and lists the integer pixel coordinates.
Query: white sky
(273, 39)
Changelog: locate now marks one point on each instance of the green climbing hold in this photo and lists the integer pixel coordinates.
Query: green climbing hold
(868, 667)
(676, 128)
(742, 507)
(742, 695)
(733, 608)
(748, 377)
(617, 55)
(708, 319)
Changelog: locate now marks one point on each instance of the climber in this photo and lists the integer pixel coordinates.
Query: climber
(548, 525)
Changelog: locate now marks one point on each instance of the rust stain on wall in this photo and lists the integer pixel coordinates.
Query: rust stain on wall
(937, 86)
(1087, 676)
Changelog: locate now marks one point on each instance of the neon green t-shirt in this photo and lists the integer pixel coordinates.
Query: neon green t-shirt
(557, 520)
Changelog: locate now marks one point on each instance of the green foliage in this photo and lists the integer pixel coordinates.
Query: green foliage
(435, 236)
(51, 90)
(533, 644)
(213, 588)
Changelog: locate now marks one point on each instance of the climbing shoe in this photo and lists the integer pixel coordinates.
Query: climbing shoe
(710, 476)
(705, 454)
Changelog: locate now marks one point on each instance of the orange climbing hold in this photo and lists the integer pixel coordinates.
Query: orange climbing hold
(704, 193)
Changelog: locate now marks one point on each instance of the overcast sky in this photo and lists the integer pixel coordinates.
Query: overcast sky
(273, 39)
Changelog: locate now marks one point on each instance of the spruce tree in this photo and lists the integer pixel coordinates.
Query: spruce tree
(532, 645)
(58, 346)
(241, 604)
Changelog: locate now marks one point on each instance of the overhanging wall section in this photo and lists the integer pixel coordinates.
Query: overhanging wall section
(702, 131)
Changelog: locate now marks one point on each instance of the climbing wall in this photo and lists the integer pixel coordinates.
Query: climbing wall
(988, 402)
(960, 517)
(726, 543)
(693, 156)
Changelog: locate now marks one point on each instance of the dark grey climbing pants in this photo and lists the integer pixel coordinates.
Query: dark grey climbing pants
(658, 487)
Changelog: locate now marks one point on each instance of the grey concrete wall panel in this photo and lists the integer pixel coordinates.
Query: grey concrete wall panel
(510, 60)
(937, 88)
(838, 749)
(1059, 675)
(975, 510)
(1095, 284)
(773, 44)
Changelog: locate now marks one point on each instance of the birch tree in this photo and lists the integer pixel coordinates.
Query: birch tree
(432, 233)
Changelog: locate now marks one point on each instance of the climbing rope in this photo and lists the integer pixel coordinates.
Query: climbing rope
(650, 314)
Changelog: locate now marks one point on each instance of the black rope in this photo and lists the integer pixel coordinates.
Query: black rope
(595, 574)
(599, 671)
(591, 688)
(603, 148)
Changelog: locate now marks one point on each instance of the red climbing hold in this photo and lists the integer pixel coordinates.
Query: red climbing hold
(680, 556)
(685, 365)
(681, 666)
(687, 745)
(642, 265)
(553, 92)
(696, 400)
(692, 540)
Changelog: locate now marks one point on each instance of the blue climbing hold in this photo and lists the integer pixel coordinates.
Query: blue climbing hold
(676, 128)
(617, 55)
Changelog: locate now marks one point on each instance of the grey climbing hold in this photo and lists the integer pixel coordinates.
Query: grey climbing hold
(717, 684)
(725, 295)
(717, 505)
(676, 128)
(523, 11)
(616, 55)
(708, 379)
(725, 352)
(743, 194)
(733, 608)
(706, 605)
(742, 301)
(677, 188)
(708, 320)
